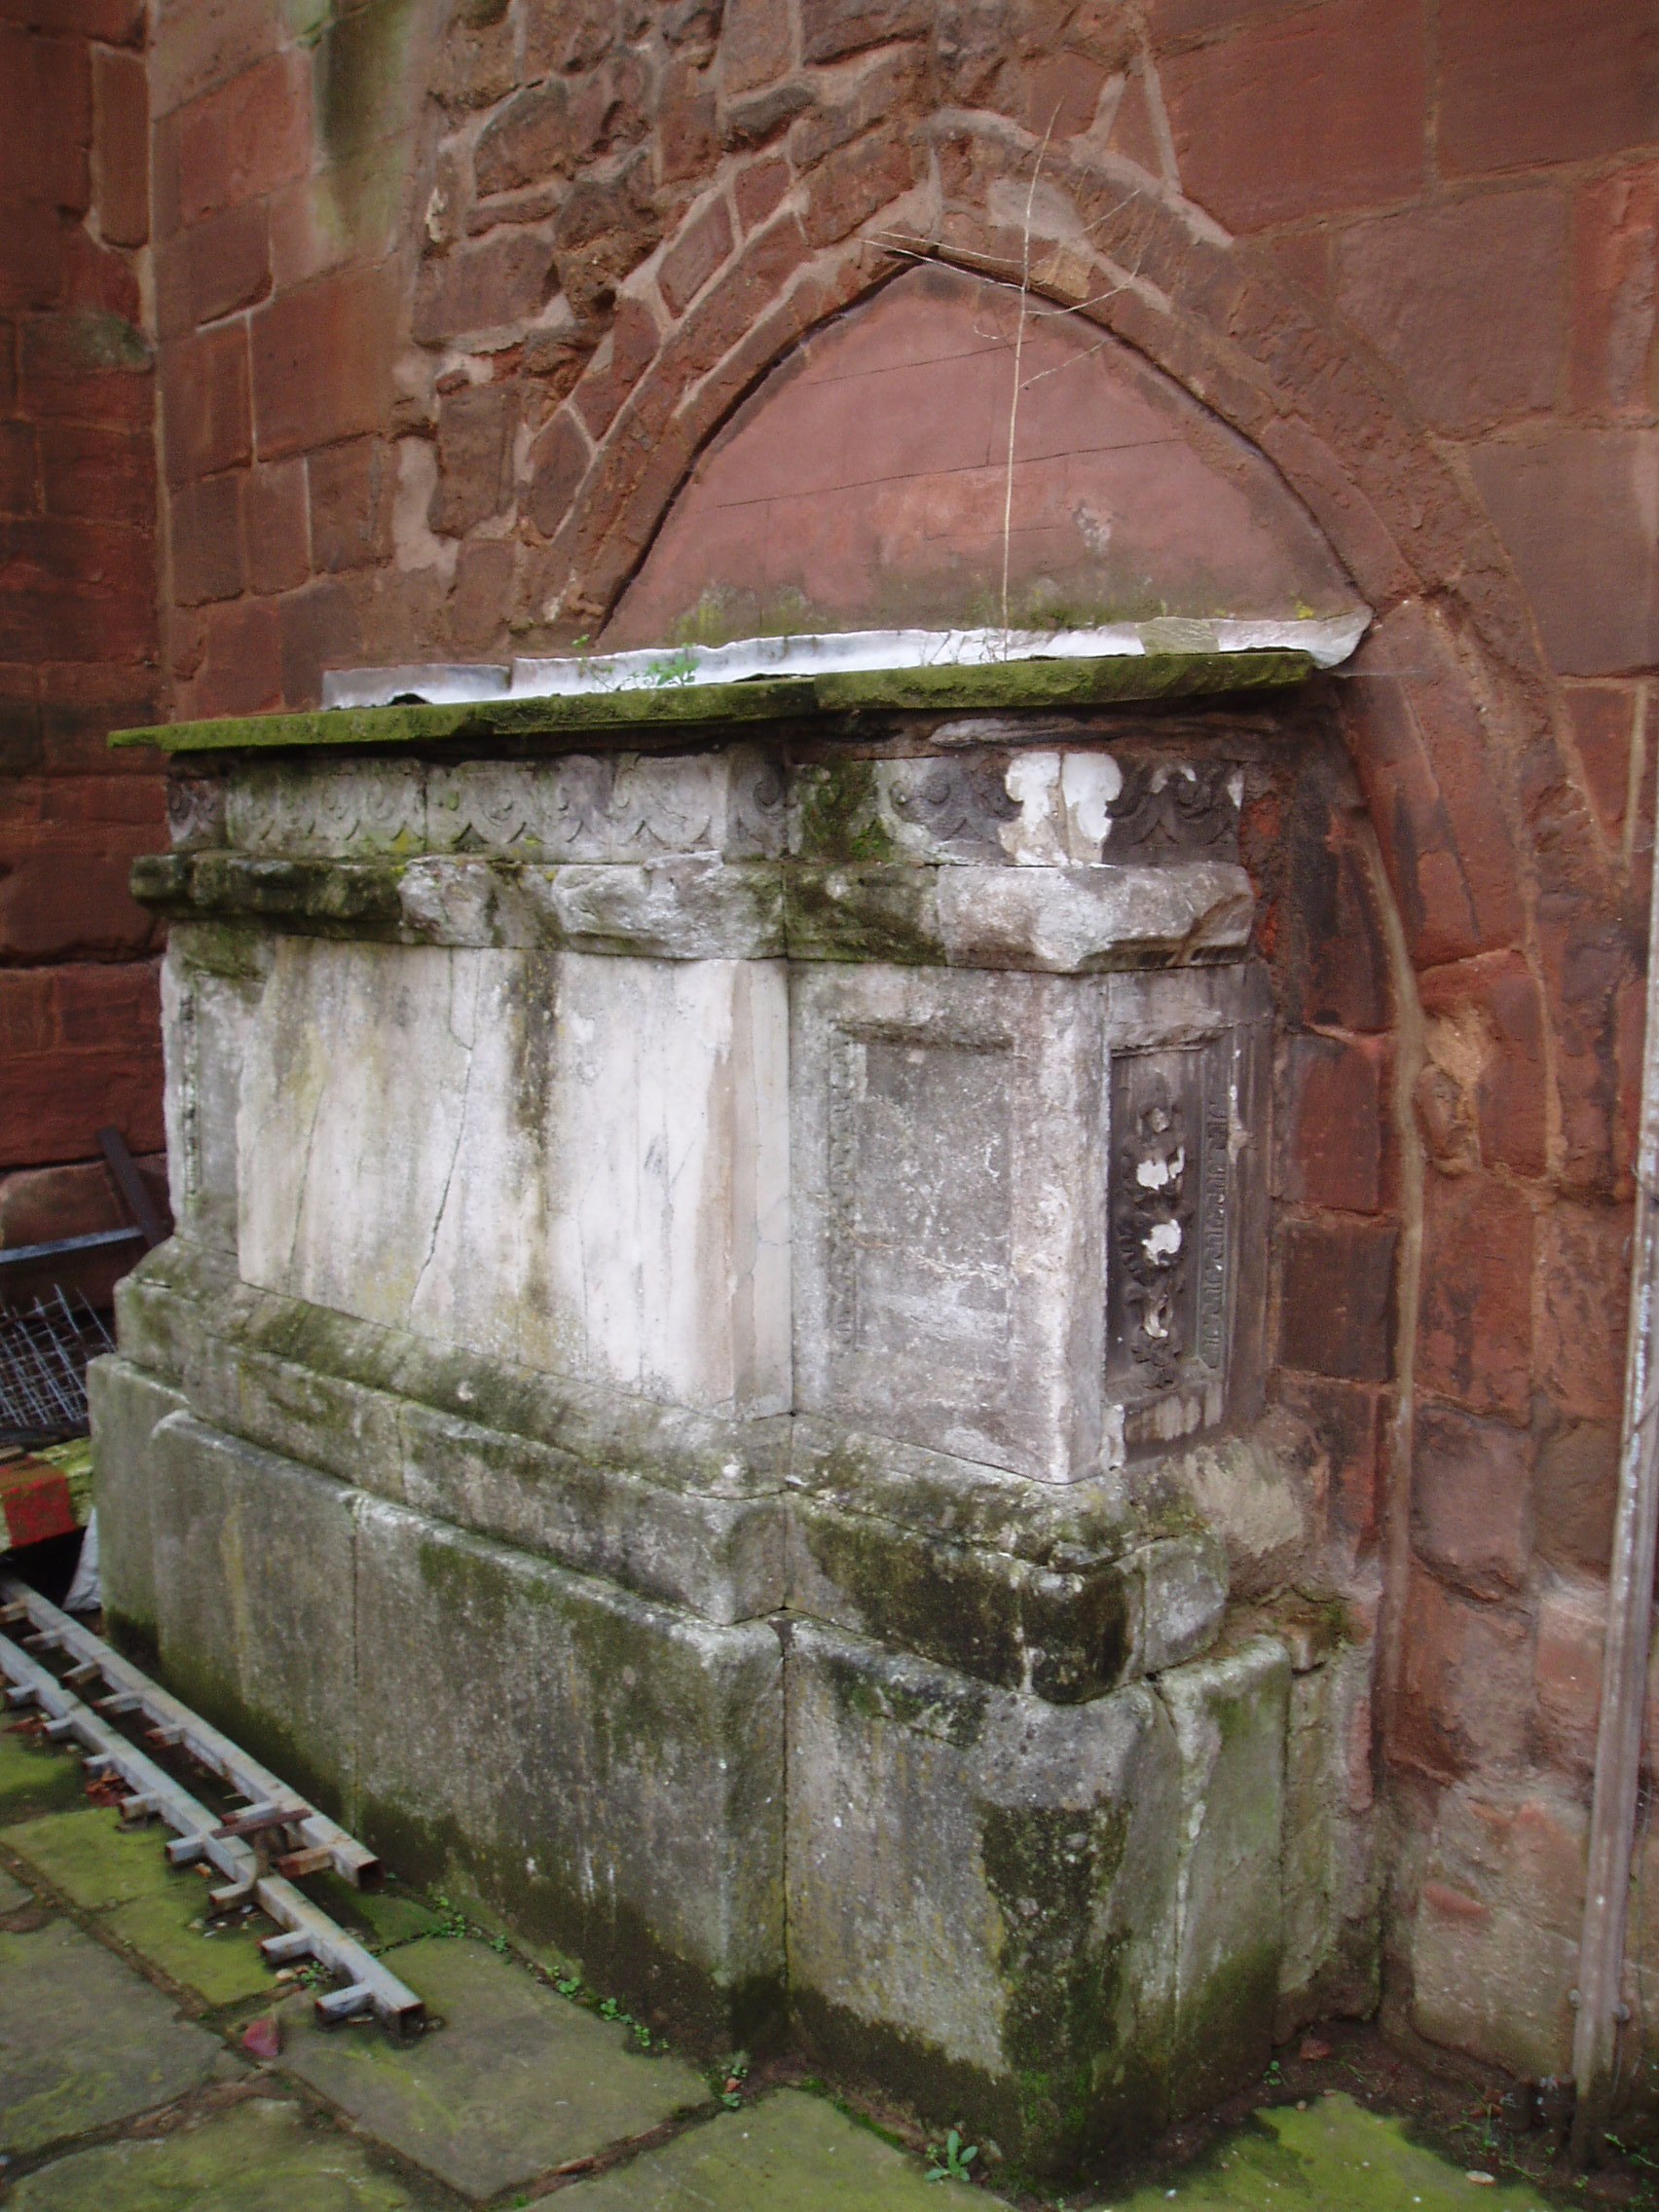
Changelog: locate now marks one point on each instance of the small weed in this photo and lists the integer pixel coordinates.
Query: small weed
(733, 2075)
(676, 668)
(568, 1985)
(953, 2159)
(500, 1946)
(610, 2010)
(1273, 2078)
(452, 1921)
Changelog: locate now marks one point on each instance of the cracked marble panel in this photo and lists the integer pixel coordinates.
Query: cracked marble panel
(574, 1161)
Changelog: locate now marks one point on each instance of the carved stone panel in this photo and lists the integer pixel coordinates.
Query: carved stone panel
(1183, 1202)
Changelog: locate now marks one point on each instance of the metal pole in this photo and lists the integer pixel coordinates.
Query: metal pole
(1630, 1615)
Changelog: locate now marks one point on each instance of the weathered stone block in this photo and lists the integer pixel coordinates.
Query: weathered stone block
(255, 1607)
(1329, 1870)
(211, 989)
(722, 1558)
(1062, 1619)
(127, 1406)
(982, 1902)
(605, 1770)
(1229, 1720)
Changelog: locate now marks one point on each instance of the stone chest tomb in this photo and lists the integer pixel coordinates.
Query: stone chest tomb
(711, 1386)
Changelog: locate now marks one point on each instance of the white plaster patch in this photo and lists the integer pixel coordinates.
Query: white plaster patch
(1035, 838)
(1088, 783)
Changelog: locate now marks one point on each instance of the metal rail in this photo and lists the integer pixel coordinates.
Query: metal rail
(132, 1691)
(199, 1834)
(1603, 2004)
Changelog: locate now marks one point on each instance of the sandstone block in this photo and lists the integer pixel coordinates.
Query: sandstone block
(1466, 1683)
(1472, 1500)
(206, 539)
(695, 256)
(1572, 509)
(210, 269)
(1475, 1336)
(1337, 1312)
(1584, 1267)
(1495, 1944)
(1334, 1095)
(1486, 1032)
(245, 138)
(1466, 301)
(1225, 103)
(276, 526)
(1538, 83)
(121, 137)
(206, 417)
(322, 362)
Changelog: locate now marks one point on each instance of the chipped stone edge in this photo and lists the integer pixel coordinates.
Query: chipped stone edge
(1327, 641)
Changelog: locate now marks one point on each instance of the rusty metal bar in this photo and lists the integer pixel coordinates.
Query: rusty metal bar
(124, 1170)
(176, 1723)
(198, 1834)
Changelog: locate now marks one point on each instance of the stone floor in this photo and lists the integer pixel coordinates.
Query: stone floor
(126, 2085)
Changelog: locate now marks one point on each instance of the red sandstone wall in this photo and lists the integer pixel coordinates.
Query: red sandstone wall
(78, 1041)
(449, 299)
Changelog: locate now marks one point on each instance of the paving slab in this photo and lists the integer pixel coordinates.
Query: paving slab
(12, 1892)
(518, 2080)
(90, 1859)
(1336, 2153)
(35, 1778)
(123, 1875)
(222, 1965)
(83, 2039)
(789, 2153)
(257, 2156)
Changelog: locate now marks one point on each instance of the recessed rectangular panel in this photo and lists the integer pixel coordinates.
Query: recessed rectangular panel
(949, 1210)
(921, 1190)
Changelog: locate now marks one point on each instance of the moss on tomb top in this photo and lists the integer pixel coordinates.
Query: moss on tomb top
(593, 717)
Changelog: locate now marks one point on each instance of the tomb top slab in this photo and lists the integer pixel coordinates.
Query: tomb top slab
(632, 717)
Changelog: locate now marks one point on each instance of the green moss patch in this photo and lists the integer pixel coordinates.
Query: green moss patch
(35, 1778)
(1335, 2153)
(259, 2156)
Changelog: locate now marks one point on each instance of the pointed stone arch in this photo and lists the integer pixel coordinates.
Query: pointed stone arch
(945, 454)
